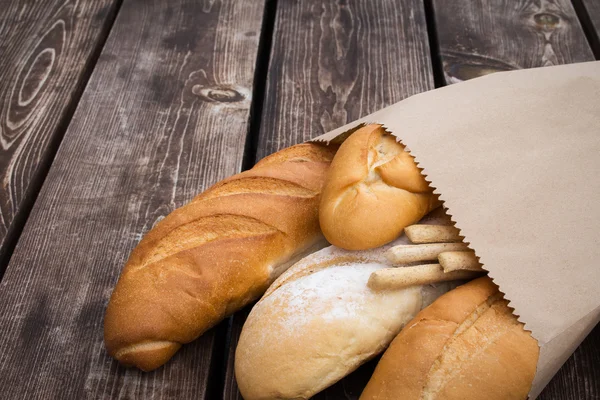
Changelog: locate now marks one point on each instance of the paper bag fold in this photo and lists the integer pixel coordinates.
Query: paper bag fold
(515, 157)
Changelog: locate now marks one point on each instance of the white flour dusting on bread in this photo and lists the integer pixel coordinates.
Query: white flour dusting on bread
(319, 321)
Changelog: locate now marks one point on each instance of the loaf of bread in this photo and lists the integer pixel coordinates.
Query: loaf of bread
(319, 321)
(216, 254)
(467, 345)
(373, 191)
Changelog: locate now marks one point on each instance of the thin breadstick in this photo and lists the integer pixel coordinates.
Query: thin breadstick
(459, 260)
(404, 254)
(432, 234)
(399, 278)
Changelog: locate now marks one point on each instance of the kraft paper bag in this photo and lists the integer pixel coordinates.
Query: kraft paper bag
(515, 156)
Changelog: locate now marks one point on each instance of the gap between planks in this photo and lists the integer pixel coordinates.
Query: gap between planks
(434, 46)
(250, 151)
(591, 34)
(260, 83)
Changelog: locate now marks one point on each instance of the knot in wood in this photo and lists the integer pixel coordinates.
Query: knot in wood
(460, 66)
(546, 21)
(221, 94)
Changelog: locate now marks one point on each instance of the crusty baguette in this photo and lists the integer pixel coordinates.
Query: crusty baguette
(373, 191)
(467, 345)
(214, 255)
(319, 321)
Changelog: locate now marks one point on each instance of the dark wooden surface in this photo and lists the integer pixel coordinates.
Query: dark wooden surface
(46, 49)
(335, 61)
(331, 63)
(592, 8)
(167, 112)
(164, 115)
(579, 377)
(477, 37)
(491, 36)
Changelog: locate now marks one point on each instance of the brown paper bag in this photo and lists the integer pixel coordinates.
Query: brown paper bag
(515, 157)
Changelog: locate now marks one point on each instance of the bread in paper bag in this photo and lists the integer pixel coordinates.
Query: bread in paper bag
(467, 345)
(514, 157)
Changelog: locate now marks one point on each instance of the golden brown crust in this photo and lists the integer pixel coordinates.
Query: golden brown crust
(466, 345)
(373, 191)
(214, 255)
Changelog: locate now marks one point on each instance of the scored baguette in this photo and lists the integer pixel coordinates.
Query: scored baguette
(373, 191)
(216, 254)
(467, 345)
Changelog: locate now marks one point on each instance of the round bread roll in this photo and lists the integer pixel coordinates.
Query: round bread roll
(318, 322)
(466, 345)
(373, 190)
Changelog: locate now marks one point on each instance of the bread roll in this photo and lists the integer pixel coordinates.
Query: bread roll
(214, 255)
(466, 345)
(373, 191)
(318, 322)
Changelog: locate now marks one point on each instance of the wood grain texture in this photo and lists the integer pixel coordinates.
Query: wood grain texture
(478, 37)
(579, 377)
(484, 36)
(333, 62)
(164, 115)
(45, 49)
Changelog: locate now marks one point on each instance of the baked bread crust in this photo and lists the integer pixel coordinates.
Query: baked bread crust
(319, 321)
(373, 191)
(216, 254)
(466, 345)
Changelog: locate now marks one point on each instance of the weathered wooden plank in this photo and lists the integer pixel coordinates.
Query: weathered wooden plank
(592, 10)
(579, 378)
(331, 63)
(46, 52)
(479, 37)
(164, 115)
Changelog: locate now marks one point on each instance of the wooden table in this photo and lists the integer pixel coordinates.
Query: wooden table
(113, 113)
